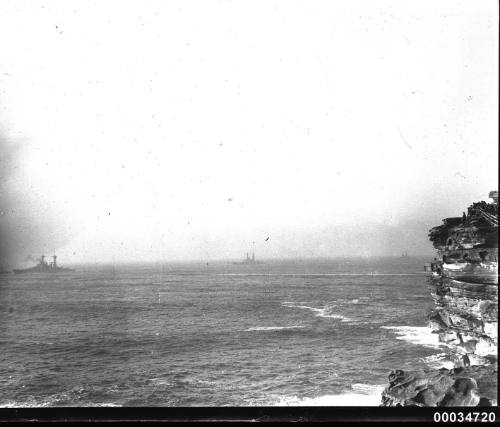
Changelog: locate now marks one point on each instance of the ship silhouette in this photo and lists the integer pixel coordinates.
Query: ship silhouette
(249, 260)
(44, 267)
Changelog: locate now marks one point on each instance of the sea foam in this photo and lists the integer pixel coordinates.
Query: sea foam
(438, 361)
(272, 328)
(362, 395)
(420, 335)
(320, 312)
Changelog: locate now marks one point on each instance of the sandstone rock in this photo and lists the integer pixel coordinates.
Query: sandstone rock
(464, 287)
(444, 387)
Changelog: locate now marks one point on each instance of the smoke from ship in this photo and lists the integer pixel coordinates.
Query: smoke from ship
(27, 225)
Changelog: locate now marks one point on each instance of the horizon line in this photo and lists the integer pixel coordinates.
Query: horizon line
(224, 260)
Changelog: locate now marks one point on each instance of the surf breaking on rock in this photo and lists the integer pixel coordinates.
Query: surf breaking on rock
(463, 282)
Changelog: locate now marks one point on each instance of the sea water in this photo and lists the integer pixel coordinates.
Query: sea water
(310, 332)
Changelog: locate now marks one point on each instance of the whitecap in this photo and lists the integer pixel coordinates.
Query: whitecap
(160, 381)
(272, 328)
(30, 402)
(362, 395)
(320, 312)
(43, 403)
(420, 335)
(367, 388)
(105, 405)
(438, 361)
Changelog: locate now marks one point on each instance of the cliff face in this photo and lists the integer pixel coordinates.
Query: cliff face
(464, 286)
(466, 318)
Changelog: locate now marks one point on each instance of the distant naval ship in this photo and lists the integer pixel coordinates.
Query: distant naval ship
(44, 267)
(249, 260)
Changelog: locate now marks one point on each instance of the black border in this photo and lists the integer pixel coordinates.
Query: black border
(228, 414)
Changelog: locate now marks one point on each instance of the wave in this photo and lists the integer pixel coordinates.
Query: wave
(160, 381)
(272, 328)
(362, 395)
(106, 405)
(77, 396)
(14, 404)
(368, 388)
(420, 335)
(320, 312)
(26, 404)
(47, 402)
(438, 361)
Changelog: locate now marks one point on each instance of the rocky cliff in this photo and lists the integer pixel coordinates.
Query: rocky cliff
(464, 286)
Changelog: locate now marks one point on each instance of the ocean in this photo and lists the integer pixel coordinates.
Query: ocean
(295, 332)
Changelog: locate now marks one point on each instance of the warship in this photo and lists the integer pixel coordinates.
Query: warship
(249, 260)
(44, 267)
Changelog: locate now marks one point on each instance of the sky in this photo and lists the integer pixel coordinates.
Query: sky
(199, 130)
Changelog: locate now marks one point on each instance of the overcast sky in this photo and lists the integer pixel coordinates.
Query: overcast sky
(189, 129)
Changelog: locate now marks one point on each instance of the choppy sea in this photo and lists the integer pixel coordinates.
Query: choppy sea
(324, 332)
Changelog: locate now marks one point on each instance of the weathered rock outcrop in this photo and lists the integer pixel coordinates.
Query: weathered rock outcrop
(472, 386)
(464, 286)
(466, 319)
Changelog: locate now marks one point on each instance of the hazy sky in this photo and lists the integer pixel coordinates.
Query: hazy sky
(189, 129)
